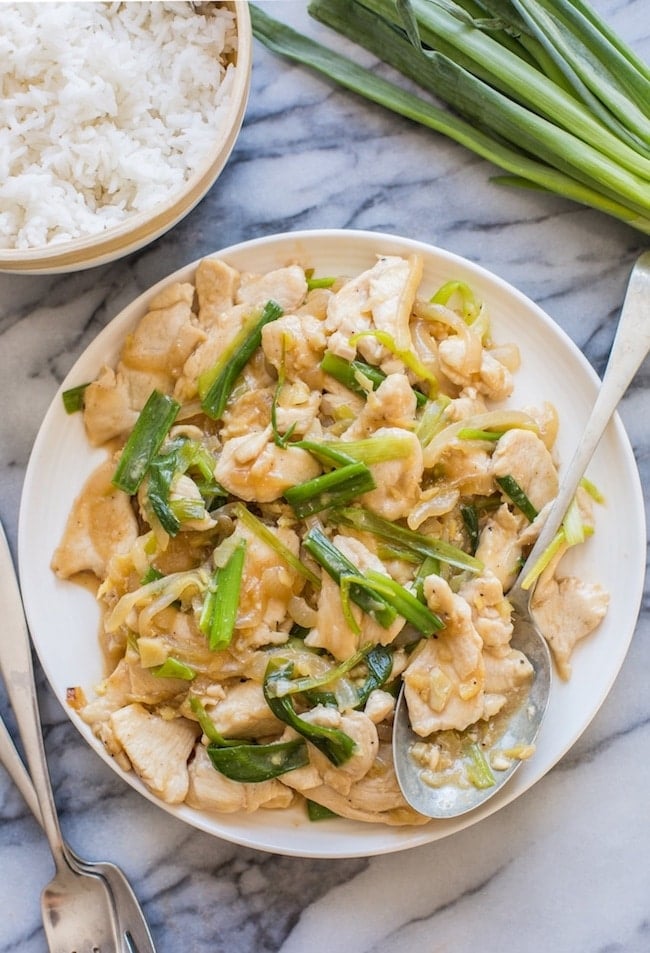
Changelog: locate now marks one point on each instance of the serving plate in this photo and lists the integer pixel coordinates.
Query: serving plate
(64, 618)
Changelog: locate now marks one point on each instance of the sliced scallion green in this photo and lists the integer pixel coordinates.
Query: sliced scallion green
(145, 440)
(336, 488)
(73, 398)
(252, 764)
(339, 566)
(221, 603)
(216, 384)
(513, 490)
(366, 521)
(336, 745)
(173, 668)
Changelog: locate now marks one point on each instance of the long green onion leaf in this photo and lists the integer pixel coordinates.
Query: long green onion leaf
(366, 521)
(336, 745)
(222, 600)
(252, 764)
(145, 440)
(490, 146)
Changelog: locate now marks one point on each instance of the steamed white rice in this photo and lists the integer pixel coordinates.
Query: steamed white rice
(106, 109)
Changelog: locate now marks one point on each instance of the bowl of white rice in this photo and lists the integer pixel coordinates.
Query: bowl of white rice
(115, 120)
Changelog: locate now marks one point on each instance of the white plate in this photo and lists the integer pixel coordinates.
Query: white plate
(64, 618)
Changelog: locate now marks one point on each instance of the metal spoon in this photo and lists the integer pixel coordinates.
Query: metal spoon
(630, 347)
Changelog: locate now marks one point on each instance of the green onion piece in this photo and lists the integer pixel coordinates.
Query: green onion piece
(335, 488)
(336, 745)
(574, 527)
(352, 373)
(478, 770)
(403, 601)
(380, 666)
(313, 282)
(251, 764)
(318, 812)
(145, 440)
(469, 305)
(432, 420)
(151, 575)
(429, 567)
(469, 514)
(216, 384)
(338, 566)
(366, 521)
(408, 358)
(278, 688)
(472, 433)
(512, 489)
(222, 601)
(369, 450)
(592, 490)
(73, 398)
(256, 526)
(173, 668)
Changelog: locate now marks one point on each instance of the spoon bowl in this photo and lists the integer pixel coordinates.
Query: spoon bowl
(630, 347)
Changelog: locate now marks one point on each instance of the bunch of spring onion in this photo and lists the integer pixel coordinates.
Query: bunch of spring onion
(544, 89)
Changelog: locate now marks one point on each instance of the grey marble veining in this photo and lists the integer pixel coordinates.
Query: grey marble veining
(566, 867)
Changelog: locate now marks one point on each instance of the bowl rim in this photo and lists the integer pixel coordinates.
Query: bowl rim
(143, 227)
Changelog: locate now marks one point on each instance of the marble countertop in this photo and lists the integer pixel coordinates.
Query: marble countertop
(565, 867)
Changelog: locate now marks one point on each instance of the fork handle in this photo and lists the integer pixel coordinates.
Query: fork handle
(18, 673)
(629, 350)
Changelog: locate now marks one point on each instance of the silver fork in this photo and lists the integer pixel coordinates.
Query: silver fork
(87, 907)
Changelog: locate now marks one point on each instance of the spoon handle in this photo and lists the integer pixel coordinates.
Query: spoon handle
(630, 347)
(18, 674)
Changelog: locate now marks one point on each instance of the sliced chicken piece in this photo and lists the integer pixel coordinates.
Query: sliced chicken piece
(286, 286)
(467, 468)
(152, 359)
(397, 481)
(381, 298)
(491, 611)
(253, 468)
(268, 586)
(332, 631)
(216, 289)
(522, 455)
(244, 713)
(248, 413)
(209, 790)
(444, 681)
(296, 343)
(101, 523)
(504, 673)
(374, 798)
(393, 404)
(567, 609)
(157, 748)
(500, 545)
(466, 363)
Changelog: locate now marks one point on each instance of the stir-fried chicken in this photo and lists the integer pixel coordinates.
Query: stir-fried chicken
(261, 602)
